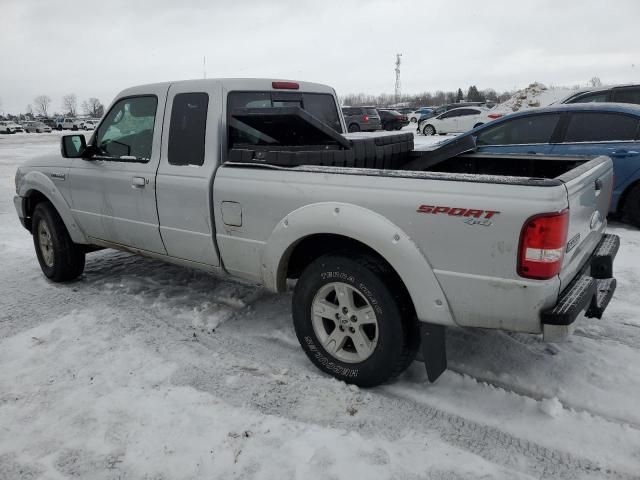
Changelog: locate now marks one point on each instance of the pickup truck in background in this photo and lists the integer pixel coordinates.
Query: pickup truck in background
(386, 246)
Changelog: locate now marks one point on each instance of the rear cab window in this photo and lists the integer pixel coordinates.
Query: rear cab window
(320, 105)
(600, 127)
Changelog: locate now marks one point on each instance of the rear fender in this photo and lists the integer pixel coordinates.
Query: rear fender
(369, 228)
(39, 182)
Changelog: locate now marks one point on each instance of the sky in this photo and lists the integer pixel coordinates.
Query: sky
(97, 48)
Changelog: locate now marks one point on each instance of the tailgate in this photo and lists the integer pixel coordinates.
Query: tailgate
(589, 188)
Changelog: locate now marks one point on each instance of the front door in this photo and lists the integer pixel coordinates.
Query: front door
(113, 192)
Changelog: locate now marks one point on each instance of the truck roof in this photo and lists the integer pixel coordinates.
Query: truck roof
(229, 84)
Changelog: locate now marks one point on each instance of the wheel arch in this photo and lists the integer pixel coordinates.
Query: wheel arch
(331, 227)
(36, 187)
(620, 205)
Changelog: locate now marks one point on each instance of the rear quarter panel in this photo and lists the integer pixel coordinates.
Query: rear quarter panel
(472, 259)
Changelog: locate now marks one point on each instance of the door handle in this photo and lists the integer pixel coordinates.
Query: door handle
(138, 182)
(623, 153)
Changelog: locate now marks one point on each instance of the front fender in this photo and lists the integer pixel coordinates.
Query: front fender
(369, 228)
(39, 182)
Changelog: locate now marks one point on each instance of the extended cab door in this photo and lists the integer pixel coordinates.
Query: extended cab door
(113, 192)
(190, 156)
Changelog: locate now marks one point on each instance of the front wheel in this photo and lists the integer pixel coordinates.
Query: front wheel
(353, 320)
(428, 130)
(354, 127)
(60, 259)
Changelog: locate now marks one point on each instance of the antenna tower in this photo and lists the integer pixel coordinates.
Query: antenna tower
(397, 92)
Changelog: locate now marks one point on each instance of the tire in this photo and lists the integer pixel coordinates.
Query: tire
(60, 259)
(388, 127)
(388, 328)
(478, 124)
(399, 127)
(354, 127)
(413, 120)
(428, 130)
(631, 207)
(59, 127)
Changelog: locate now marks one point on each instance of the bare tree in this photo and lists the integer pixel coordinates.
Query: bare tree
(42, 103)
(93, 107)
(595, 82)
(30, 110)
(70, 104)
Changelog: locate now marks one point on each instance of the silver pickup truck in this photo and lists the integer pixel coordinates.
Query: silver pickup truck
(386, 245)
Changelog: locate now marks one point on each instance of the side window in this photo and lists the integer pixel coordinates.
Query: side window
(600, 127)
(188, 128)
(627, 95)
(127, 130)
(449, 114)
(467, 111)
(590, 97)
(524, 130)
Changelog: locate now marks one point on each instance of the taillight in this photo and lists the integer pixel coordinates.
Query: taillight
(365, 118)
(285, 85)
(542, 244)
(493, 116)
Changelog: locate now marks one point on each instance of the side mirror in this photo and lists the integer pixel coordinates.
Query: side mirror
(72, 146)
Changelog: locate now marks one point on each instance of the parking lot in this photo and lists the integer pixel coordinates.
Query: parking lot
(144, 370)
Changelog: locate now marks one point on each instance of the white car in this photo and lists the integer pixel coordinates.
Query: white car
(68, 124)
(10, 127)
(90, 124)
(457, 120)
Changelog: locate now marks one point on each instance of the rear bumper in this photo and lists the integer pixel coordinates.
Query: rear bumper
(590, 291)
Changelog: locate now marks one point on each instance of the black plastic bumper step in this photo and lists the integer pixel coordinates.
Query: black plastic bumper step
(602, 258)
(604, 293)
(576, 298)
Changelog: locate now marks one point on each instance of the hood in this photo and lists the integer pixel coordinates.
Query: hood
(53, 159)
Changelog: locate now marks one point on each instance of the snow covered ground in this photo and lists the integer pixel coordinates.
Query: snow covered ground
(141, 370)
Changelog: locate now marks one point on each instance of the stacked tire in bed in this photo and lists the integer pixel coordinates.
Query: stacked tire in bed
(381, 152)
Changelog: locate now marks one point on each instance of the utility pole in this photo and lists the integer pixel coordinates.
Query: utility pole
(204, 66)
(397, 93)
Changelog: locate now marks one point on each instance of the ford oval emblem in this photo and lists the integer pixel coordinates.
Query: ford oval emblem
(595, 220)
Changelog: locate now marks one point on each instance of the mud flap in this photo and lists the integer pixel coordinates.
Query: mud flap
(433, 349)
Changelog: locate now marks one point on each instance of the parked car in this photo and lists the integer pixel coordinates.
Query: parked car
(577, 129)
(68, 124)
(5, 127)
(617, 94)
(388, 246)
(420, 114)
(9, 126)
(457, 120)
(37, 127)
(90, 124)
(49, 122)
(392, 120)
(361, 119)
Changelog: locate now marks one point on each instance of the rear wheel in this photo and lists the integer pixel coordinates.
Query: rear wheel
(354, 127)
(413, 119)
(428, 130)
(631, 208)
(60, 259)
(477, 125)
(352, 319)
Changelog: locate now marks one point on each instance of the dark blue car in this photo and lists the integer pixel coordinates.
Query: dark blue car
(611, 129)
